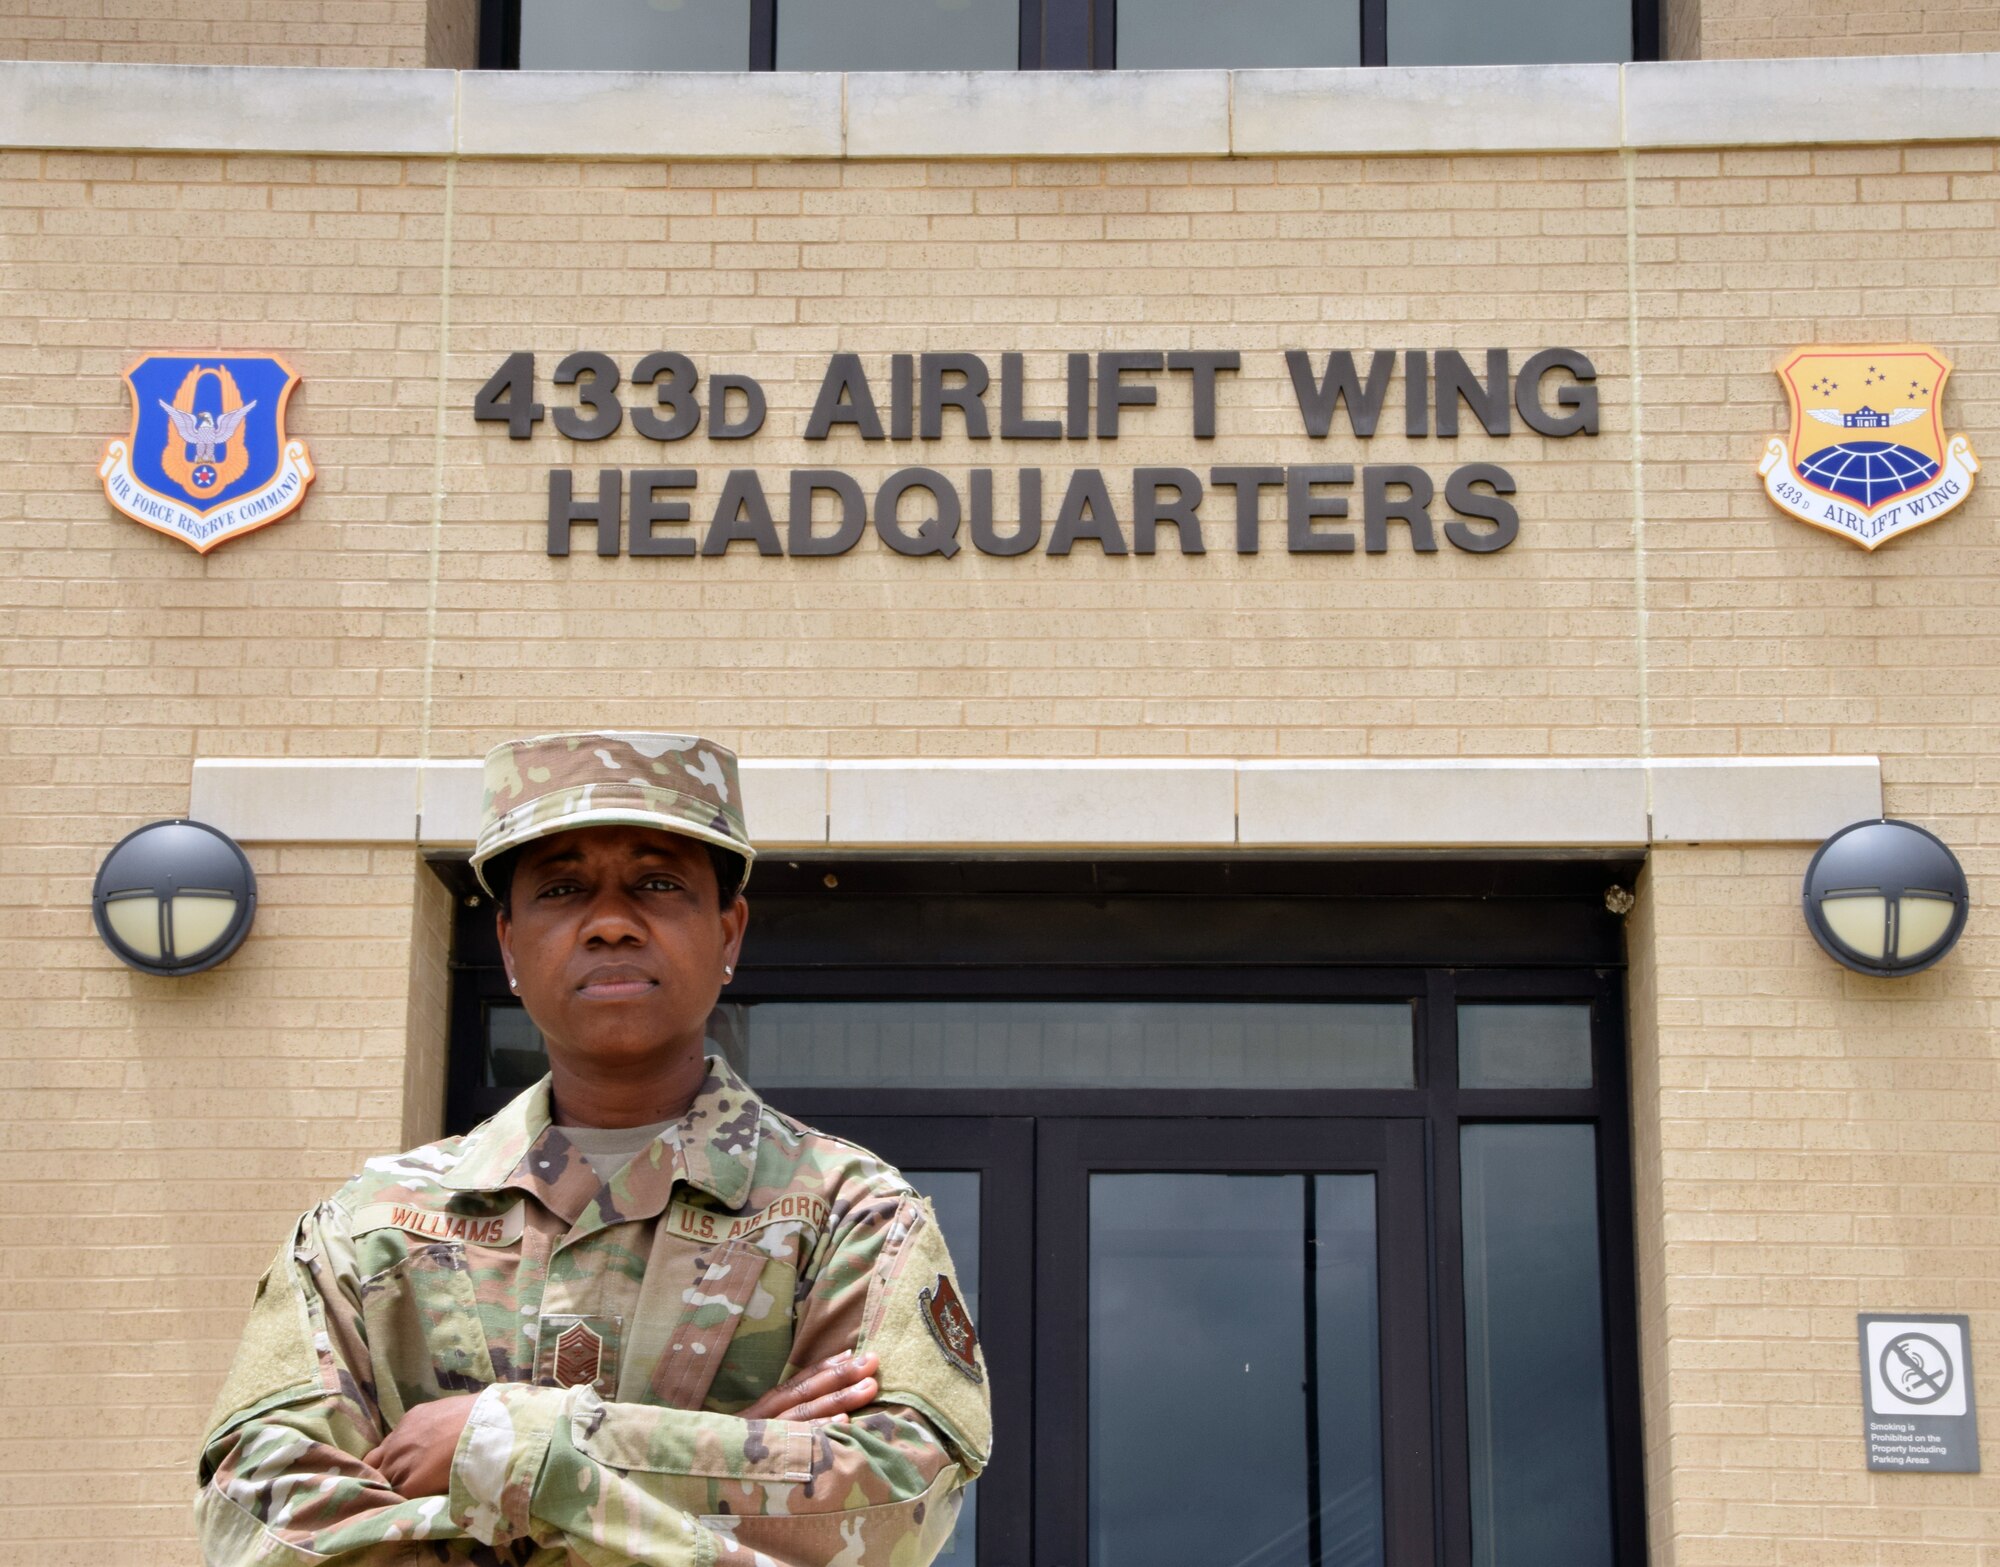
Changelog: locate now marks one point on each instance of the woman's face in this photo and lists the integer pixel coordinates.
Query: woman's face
(617, 939)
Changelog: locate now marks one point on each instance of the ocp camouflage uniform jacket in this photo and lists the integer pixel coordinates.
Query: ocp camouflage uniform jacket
(611, 1331)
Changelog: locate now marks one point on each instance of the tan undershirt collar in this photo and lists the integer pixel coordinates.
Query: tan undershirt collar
(608, 1149)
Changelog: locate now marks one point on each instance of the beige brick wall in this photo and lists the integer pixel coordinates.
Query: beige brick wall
(177, 1124)
(243, 32)
(1825, 1145)
(1807, 1144)
(1761, 638)
(161, 1133)
(1762, 29)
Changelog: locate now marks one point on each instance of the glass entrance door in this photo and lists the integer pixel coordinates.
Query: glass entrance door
(1233, 1368)
(1220, 1362)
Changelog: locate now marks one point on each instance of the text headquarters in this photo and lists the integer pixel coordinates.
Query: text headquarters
(1331, 508)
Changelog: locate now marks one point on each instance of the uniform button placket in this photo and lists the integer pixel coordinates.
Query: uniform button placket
(530, 1283)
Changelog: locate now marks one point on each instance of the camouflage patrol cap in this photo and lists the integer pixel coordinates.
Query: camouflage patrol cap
(552, 783)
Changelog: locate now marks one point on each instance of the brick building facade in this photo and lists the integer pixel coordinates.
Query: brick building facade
(1660, 667)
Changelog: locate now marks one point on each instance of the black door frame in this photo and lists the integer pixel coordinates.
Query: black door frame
(1604, 1106)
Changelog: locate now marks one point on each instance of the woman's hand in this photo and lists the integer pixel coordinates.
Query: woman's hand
(828, 1391)
(415, 1458)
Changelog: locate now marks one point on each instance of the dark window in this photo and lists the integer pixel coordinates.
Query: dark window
(1523, 1045)
(1057, 1044)
(635, 35)
(901, 35)
(1191, 34)
(898, 35)
(1508, 32)
(1536, 1405)
(1345, 1145)
(1262, 1291)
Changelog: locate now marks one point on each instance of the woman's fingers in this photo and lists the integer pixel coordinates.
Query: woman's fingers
(830, 1378)
(803, 1385)
(832, 1405)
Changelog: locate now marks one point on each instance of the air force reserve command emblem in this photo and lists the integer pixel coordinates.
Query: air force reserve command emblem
(208, 457)
(1868, 457)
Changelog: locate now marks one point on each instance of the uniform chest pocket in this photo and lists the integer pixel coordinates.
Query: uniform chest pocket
(424, 1336)
(733, 1329)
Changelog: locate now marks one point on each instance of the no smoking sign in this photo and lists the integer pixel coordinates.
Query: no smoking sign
(1919, 1413)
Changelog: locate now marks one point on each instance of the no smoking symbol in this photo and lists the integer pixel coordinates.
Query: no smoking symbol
(1916, 1367)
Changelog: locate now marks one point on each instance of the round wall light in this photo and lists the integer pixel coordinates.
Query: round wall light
(174, 898)
(1885, 898)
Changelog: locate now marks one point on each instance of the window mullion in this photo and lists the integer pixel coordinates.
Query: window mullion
(1647, 25)
(1030, 57)
(1447, 1262)
(763, 35)
(1066, 34)
(1374, 32)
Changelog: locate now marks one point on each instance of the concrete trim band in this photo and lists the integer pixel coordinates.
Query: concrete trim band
(1121, 805)
(329, 111)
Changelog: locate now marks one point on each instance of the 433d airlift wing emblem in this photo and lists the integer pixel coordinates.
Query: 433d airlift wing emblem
(208, 457)
(1867, 455)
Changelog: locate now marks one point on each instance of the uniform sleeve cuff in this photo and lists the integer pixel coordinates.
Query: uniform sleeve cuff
(499, 1457)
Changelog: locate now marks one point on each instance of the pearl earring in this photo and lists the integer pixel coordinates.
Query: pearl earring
(728, 971)
(513, 983)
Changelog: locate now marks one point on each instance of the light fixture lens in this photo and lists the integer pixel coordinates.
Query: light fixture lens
(1861, 924)
(199, 921)
(136, 922)
(1921, 923)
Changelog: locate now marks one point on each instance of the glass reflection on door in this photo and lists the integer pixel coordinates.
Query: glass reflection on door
(1539, 1426)
(1235, 1382)
(954, 1196)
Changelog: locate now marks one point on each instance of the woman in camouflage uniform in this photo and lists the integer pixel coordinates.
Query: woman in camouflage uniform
(638, 1316)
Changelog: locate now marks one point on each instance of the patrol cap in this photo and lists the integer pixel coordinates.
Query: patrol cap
(552, 783)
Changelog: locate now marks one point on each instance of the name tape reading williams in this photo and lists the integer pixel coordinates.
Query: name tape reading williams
(500, 1229)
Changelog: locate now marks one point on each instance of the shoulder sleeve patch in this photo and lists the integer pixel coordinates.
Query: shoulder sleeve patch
(951, 1325)
(917, 1325)
(276, 1353)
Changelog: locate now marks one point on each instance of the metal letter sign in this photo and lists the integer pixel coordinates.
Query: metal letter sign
(207, 458)
(1917, 1407)
(1867, 456)
(920, 511)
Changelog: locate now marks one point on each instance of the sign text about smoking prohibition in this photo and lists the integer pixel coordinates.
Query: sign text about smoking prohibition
(920, 510)
(1917, 1406)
